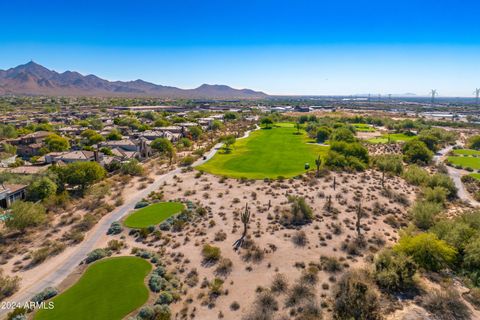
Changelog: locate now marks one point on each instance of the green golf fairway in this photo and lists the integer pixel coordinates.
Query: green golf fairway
(153, 214)
(465, 162)
(394, 137)
(468, 152)
(267, 153)
(109, 289)
(363, 127)
(475, 175)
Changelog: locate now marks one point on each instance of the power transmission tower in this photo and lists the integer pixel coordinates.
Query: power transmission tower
(434, 93)
(477, 95)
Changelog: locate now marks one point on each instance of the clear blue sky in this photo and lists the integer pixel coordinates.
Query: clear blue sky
(280, 47)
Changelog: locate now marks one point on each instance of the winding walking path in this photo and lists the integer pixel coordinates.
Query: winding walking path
(456, 176)
(61, 266)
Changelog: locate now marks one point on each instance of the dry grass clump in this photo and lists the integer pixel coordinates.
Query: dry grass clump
(224, 267)
(279, 283)
(299, 239)
(446, 305)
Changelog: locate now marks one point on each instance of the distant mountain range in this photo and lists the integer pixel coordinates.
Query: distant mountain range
(34, 79)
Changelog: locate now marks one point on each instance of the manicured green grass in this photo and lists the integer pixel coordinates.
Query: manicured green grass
(267, 153)
(152, 214)
(394, 137)
(109, 289)
(468, 152)
(465, 162)
(475, 175)
(363, 127)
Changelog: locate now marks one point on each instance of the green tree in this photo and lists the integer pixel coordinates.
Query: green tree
(80, 174)
(229, 116)
(216, 125)
(427, 250)
(228, 141)
(394, 271)
(8, 131)
(415, 151)
(132, 167)
(267, 122)
(56, 143)
(474, 142)
(114, 135)
(323, 133)
(92, 137)
(25, 215)
(342, 134)
(41, 188)
(195, 132)
(355, 297)
(164, 147)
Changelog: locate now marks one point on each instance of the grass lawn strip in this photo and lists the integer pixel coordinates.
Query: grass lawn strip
(153, 214)
(108, 290)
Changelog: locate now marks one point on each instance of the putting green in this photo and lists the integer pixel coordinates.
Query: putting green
(267, 153)
(475, 175)
(465, 162)
(109, 289)
(152, 214)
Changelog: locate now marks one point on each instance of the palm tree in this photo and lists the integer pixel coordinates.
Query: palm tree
(245, 218)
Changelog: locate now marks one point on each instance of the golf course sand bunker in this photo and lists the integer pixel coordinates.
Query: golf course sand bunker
(266, 153)
(109, 289)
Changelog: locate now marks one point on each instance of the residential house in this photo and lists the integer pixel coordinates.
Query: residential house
(10, 193)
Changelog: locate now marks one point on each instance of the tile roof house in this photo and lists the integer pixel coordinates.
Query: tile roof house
(10, 193)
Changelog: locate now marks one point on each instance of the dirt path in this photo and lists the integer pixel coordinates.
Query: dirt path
(456, 176)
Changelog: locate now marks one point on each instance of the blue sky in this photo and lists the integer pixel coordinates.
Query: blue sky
(280, 47)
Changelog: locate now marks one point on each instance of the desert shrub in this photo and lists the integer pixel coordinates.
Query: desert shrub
(455, 232)
(444, 181)
(390, 163)
(162, 312)
(471, 258)
(157, 283)
(46, 294)
(474, 297)
(211, 254)
(164, 297)
(355, 297)
(115, 228)
(141, 204)
(96, 254)
(300, 212)
(224, 267)
(298, 294)
(27, 214)
(427, 250)
(394, 271)
(424, 214)
(416, 175)
(187, 161)
(310, 276)
(132, 168)
(299, 238)
(331, 264)
(446, 305)
(8, 285)
(415, 151)
(279, 283)
(437, 195)
(349, 156)
(311, 311)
